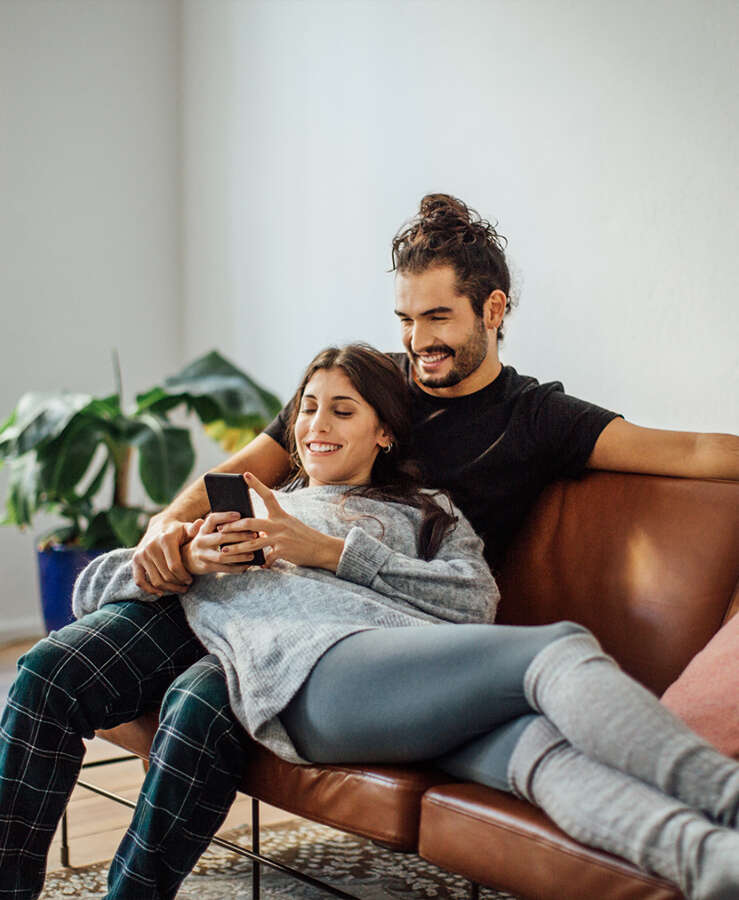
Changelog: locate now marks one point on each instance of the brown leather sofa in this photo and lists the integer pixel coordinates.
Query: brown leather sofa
(650, 565)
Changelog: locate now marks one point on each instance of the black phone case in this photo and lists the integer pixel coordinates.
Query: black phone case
(228, 492)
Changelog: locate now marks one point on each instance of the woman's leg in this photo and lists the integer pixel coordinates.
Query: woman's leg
(195, 766)
(97, 672)
(384, 690)
(606, 808)
(405, 694)
(612, 718)
(459, 682)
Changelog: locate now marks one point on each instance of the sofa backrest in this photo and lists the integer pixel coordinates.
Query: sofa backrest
(650, 564)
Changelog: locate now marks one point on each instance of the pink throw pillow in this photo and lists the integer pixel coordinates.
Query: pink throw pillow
(706, 695)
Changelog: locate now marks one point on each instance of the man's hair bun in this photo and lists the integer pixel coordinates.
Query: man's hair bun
(442, 205)
(448, 221)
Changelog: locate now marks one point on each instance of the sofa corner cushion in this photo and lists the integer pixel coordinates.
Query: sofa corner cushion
(706, 695)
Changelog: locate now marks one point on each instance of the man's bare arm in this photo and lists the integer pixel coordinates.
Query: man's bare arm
(623, 447)
(157, 562)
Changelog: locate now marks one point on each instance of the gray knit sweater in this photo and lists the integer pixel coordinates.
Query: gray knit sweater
(268, 627)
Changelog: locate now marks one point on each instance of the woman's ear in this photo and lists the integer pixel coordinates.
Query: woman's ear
(385, 439)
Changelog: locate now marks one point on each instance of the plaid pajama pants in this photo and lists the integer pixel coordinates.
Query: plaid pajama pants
(98, 672)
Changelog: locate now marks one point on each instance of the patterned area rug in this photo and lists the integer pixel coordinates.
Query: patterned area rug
(351, 863)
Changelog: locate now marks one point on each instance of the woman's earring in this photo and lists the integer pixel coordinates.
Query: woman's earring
(388, 448)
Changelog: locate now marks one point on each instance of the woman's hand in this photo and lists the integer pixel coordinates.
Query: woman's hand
(287, 536)
(208, 550)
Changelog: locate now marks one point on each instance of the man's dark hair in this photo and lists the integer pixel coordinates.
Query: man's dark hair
(447, 232)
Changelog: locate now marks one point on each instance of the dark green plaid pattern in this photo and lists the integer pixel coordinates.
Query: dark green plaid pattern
(98, 672)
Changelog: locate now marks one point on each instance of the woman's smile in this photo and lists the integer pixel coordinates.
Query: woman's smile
(321, 448)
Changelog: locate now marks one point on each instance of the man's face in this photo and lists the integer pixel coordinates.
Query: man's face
(445, 341)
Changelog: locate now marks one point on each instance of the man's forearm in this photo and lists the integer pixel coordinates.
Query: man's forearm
(625, 447)
(187, 506)
(717, 456)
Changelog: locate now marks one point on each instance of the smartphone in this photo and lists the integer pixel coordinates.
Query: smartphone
(229, 493)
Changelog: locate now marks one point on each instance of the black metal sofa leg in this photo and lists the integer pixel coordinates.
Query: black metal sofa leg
(255, 870)
(64, 849)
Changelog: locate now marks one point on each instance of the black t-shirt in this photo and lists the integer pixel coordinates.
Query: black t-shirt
(496, 449)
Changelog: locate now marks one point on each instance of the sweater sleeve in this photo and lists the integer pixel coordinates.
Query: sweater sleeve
(106, 579)
(456, 585)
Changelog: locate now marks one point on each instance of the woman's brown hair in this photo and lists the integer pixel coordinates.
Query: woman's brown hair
(446, 231)
(395, 476)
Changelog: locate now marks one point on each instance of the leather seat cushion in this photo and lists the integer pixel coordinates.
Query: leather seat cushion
(379, 802)
(497, 840)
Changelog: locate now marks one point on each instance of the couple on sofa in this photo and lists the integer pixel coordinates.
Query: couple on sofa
(321, 654)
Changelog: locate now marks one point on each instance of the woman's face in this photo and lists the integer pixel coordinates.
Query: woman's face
(337, 433)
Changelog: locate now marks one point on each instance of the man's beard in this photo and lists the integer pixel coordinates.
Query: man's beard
(465, 360)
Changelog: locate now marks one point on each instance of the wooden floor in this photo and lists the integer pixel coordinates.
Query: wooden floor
(96, 825)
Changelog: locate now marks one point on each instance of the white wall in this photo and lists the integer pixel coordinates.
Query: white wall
(603, 136)
(89, 216)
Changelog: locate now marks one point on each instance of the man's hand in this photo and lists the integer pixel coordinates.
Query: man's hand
(157, 563)
(288, 537)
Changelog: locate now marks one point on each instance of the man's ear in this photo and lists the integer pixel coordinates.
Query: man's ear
(493, 309)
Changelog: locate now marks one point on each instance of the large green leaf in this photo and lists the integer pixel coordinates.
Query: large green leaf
(99, 534)
(215, 389)
(65, 460)
(119, 526)
(7, 423)
(96, 483)
(157, 400)
(128, 524)
(166, 458)
(23, 495)
(41, 418)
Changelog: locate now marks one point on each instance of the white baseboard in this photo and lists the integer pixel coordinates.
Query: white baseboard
(13, 630)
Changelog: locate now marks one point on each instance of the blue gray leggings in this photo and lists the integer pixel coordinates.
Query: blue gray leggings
(451, 693)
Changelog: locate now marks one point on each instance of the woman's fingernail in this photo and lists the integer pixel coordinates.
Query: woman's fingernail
(225, 550)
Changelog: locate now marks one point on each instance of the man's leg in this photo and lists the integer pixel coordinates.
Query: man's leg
(196, 763)
(97, 672)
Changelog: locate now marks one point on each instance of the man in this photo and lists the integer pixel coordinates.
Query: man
(494, 438)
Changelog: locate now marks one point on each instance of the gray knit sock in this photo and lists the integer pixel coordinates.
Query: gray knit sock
(615, 812)
(612, 718)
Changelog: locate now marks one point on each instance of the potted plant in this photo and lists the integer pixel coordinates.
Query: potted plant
(72, 455)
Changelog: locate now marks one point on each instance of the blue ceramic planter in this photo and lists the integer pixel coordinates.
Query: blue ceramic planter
(58, 567)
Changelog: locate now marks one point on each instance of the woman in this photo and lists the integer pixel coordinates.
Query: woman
(325, 655)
